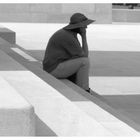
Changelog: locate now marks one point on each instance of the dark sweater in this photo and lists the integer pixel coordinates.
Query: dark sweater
(62, 46)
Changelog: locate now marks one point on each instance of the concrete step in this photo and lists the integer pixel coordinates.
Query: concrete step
(8, 35)
(17, 117)
(102, 111)
(55, 114)
(73, 95)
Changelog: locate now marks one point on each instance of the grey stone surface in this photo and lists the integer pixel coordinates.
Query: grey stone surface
(54, 12)
(17, 117)
(8, 35)
(56, 115)
(126, 15)
(41, 99)
(115, 49)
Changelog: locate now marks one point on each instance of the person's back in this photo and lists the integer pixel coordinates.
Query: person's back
(62, 46)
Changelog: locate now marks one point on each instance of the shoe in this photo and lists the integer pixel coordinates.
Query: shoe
(88, 90)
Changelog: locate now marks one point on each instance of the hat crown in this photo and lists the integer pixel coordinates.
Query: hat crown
(77, 18)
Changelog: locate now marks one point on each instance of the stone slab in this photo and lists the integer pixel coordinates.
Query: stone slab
(126, 15)
(8, 35)
(58, 114)
(119, 46)
(111, 121)
(81, 102)
(17, 116)
(53, 12)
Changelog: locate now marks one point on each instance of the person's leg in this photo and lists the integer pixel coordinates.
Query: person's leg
(82, 75)
(80, 66)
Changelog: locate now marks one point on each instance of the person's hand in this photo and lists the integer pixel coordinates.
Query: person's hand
(82, 31)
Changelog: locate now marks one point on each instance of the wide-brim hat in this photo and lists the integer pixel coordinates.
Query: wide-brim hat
(78, 20)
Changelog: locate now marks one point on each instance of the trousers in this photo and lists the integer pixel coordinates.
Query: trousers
(78, 67)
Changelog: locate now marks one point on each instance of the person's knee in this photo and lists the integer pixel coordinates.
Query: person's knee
(85, 60)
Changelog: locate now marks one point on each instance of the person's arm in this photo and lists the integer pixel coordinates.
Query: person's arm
(84, 41)
(72, 47)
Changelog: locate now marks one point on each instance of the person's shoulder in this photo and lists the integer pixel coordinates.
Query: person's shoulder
(62, 33)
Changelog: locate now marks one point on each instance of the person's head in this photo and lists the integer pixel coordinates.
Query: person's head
(78, 21)
(78, 30)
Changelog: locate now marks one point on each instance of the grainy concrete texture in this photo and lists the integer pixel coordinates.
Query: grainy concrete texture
(114, 74)
(53, 12)
(17, 117)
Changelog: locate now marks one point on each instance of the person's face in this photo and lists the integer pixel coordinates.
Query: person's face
(84, 26)
(83, 29)
(78, 30)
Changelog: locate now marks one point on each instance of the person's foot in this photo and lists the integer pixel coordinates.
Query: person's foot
(88, 90)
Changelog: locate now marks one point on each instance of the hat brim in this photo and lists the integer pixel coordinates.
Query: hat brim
(78, 25)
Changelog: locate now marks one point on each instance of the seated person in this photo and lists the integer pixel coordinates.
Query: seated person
(65, 57)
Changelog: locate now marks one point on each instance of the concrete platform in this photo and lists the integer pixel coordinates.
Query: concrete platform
(125, 15)
(122, 93)
(125, 42)
(114, 126)
(55, 114)
(110, 118)
(8, 35)
(17, 117)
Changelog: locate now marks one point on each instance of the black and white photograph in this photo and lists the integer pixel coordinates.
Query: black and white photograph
(70, 69)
